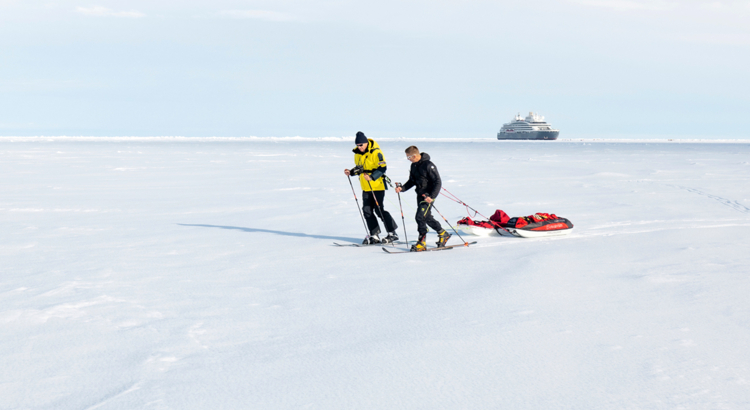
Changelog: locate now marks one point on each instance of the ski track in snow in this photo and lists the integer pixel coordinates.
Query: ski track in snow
(115, 395)
(736, 205)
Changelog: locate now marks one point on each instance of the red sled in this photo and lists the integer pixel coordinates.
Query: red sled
(538, 225)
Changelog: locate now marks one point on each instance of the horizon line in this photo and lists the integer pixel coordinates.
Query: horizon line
(42, 138)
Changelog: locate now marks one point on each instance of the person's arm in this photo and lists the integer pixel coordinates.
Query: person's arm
(410, 183)
(380, 170)
(437, 183)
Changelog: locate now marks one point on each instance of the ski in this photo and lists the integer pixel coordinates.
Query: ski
(361, 245)
(387, 250)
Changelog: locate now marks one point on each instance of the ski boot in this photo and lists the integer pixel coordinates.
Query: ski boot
(371, 240)
(443, 238)
(392, 237)
(420, 245)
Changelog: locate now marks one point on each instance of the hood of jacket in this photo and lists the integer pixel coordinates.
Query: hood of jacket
(371, 146)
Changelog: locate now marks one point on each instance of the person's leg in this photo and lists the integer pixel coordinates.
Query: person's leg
(423, 208)
(431, 221)
(368, 210)
(388, 222)
(443, 235)
(421, 217)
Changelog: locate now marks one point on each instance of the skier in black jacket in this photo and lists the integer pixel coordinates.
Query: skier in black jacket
(424, 175)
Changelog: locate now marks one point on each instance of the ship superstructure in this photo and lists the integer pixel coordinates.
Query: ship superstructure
(533, 127)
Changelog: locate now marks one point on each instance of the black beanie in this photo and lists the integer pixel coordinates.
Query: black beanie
(361, 139)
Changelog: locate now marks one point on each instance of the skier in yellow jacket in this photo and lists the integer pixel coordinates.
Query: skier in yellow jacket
(370, 166)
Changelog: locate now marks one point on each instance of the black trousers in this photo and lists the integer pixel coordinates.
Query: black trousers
(424, 218)
(370, 208)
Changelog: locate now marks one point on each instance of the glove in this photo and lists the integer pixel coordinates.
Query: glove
(357, 170)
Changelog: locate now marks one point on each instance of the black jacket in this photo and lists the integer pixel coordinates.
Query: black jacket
(424, 175)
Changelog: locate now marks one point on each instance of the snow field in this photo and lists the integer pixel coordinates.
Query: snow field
(164, 274)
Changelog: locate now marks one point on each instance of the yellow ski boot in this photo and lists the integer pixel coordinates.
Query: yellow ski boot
(420, 245)
(443, 237)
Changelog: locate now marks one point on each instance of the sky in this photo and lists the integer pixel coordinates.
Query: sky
(593, 68)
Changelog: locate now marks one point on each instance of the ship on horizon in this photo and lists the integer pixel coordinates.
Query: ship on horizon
(533, 127)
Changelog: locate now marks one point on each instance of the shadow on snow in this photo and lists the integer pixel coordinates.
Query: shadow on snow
(297, 234)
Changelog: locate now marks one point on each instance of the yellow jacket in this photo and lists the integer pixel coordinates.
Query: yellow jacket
(373, 162)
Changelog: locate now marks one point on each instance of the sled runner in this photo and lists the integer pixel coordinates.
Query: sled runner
(530, 233)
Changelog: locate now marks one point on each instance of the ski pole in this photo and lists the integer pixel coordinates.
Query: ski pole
(398, 184)
(449, 224)
(403, 222)
(358, 208)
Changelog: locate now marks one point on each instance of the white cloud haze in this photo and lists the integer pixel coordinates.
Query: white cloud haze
(626, 5)
(258, 14)
(105, 12)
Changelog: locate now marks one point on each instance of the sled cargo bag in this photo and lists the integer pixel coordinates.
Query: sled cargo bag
(479, 228)
(537, 225)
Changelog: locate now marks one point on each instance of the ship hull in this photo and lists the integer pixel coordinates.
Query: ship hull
(532, 135)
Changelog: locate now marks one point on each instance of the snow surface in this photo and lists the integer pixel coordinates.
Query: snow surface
(200, 274)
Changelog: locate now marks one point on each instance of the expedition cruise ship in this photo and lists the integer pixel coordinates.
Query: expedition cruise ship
(532, 127)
